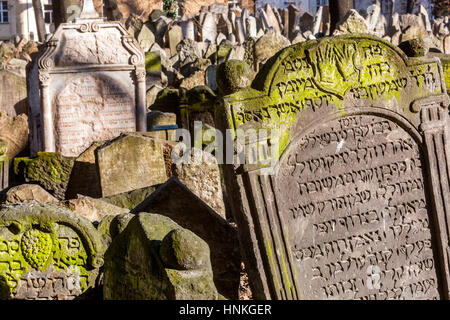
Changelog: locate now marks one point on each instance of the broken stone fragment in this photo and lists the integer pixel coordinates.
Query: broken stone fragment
(414, 47)
(27, 193)
(353, 22)
(92, 209)
(201, 174)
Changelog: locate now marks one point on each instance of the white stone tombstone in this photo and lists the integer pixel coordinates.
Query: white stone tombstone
(91, 85)
(251, 27)
(209, 28)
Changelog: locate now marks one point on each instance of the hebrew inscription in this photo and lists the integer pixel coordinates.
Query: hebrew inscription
(90, 108)
(45, 258)
(353, 196)
(317, 75)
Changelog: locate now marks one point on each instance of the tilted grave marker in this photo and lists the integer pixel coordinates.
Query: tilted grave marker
(92, 85)
(357, 206)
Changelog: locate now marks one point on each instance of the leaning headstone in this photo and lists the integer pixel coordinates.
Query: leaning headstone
(356, 206)
(146, 38)
(250, 25)
(188, 29)
(129, 162)
(91, 85)
(47, 253)
(269, 44)
(294, 13)
(175, 201)
(175, 35)
(271, 18)
(14, 131)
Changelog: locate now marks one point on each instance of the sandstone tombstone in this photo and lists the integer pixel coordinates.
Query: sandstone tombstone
(356, 206)
(91, 85)
(13, 93)
(130, 162)
(47, 253)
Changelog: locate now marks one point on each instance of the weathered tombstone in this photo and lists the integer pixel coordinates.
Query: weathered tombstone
(92, 85)
(294, 13)
(13, 93)
(209, 28)
(175, 201)
(153, 258)
(47, 253)
(130, 162)
(356, 206)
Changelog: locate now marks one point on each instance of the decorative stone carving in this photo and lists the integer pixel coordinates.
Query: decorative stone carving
(357, 205)
(92, 69)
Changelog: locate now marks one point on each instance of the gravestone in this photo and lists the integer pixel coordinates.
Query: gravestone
(13, 93)
(91, 85)
(175, 201)
(130, 162)
(356, 206)
(47, 253)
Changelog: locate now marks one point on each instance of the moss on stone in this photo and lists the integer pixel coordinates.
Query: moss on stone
(50, 170)
(233, 75)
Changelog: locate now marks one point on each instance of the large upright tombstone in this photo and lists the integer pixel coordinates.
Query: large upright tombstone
(357, 206)
(92, 85)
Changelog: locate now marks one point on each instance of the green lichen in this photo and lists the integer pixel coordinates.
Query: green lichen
(50, 170)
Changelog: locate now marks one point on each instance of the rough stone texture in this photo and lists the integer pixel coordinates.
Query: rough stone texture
(92, 209)
(232, 76)
(158, 118)
(129, 200)
(414, 48)
(269, 44)
(86, 91)
(13, 93)
(349, 189)
(28, 192)
(352, 23)
(50, 170)
(195, 80)
(47, 252)
(15, 132)
(153, 258)
(130, 162)
(83, 178)
(202, 176)
(176, 201)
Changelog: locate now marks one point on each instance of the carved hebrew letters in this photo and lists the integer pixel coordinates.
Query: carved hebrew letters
(91, 108)
(46, 259)
(358, 216)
